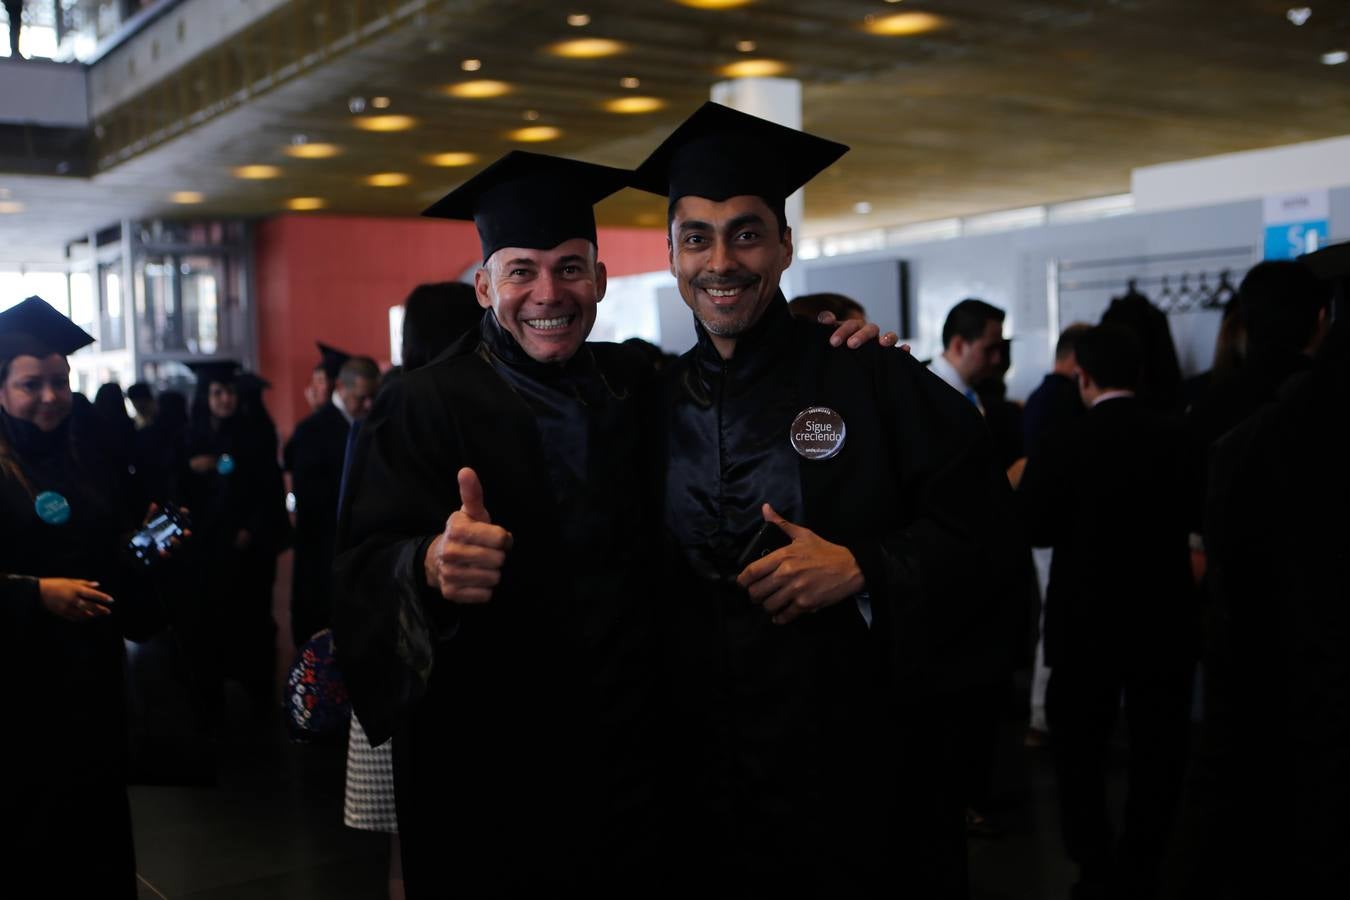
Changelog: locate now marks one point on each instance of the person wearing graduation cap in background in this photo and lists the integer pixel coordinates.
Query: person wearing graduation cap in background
(814, 743)
(234, 488)
(323, 379)
(314, 457)
(71, 594)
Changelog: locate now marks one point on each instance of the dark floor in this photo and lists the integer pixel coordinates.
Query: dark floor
(270, 826)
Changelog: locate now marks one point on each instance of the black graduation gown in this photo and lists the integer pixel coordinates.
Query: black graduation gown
(64, 752)
(229, 621)
(798, 777)
(1054, 402)
(314, 457)
(518, 724)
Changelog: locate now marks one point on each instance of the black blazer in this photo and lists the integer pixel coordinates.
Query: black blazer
(1108, 493)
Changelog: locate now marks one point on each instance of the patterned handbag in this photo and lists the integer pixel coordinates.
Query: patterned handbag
(317, 703)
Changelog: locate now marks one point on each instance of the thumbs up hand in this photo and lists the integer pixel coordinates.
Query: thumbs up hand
(465, 561)
(807, 575)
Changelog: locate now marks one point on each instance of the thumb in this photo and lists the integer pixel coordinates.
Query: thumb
(471, 496)
(794, 532)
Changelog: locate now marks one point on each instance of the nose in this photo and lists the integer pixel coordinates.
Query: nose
(48, 394)
(719, 257)
(546, 286)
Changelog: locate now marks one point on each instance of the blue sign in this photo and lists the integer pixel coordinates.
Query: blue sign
(225, 464)
(52, 508)
(1293, 239)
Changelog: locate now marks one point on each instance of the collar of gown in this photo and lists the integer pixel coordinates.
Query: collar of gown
(27, 440)
(756, 349)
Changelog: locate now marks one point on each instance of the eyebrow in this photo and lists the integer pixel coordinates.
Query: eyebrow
(572, 258)
(519, 261)
(747, 219)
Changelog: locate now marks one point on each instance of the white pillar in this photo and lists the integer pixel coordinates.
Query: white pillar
(777, 100)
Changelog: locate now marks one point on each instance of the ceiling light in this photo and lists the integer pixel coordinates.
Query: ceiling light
(746, 46)
(630, 82)
(312, 151)
(902, 24)
(380, 102)
(634, 105)
(385, 123)
(713, 4)
(471, 65)
(387, 179)
(10, 206)
(534, 134)
(1298, 14)
(862, 207)
(303, 204)
(257, 173)
(187, 197)
(478, 90)
(754, 68)
(356, 105)
(578, 20)
(1335, 57)
(586, 48)
(452, 160)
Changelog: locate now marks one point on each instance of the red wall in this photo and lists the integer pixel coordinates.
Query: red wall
(333, 279)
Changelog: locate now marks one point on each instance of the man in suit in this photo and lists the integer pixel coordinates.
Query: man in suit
(1107, 493)
(314, 457)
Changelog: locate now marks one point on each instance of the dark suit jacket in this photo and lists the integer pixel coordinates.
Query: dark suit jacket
(1107, 493)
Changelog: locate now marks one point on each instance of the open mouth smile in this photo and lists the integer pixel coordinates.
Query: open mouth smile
(555, 324)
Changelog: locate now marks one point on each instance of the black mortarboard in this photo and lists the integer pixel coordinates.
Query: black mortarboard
(719, 152)
(531, 200)
(35, 328)
(332, 360)
(222, 371)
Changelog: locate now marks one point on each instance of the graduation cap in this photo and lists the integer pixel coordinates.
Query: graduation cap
(35, 328)
(531, 200)
(719, 152)
(332, 359)
(219, 371)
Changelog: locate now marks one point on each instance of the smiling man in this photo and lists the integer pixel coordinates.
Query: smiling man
(837, 522)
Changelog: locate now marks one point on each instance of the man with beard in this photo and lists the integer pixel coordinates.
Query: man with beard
(795, 669)
(510, 655)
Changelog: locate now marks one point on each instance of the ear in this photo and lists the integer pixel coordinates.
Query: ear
(670, 254)
(482, 287)
(787, 245)
(601, 280)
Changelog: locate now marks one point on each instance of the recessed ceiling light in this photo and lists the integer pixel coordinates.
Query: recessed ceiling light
(385, 123)
(10, 206)
(534, 134)
(187, 197)
(312, 151)
(902, 24)
(754, 68)
(471, 65)
(478, 90)
(1335, 57)
(356, 105)
(630, 82)
(453, 159)
(586, 48)
(1298, 14)
(302, 204)
(862, 207)
(578, 20)
(530, 115)
(257, 173)
(380, 102)
(634, 105)
(387, 179)
(713, 4)
(746, 46)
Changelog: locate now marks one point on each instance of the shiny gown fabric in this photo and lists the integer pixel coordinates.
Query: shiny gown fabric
(520, 726)
(801, 769)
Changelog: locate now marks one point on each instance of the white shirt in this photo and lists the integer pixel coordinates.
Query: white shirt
(337, 401)
(947, 372)
(1111, 395)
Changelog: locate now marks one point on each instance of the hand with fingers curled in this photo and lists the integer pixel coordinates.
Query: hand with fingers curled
(74, 599)
(465, 561)
(857, 333)
(806, 576)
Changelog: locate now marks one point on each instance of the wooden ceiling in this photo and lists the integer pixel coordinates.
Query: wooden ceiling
(1006, 104)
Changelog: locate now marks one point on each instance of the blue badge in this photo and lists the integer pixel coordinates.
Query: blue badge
(225, 465)
(52, 508)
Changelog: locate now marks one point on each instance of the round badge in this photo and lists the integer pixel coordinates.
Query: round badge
(225, 465)
(817, 433)
(52, 508)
